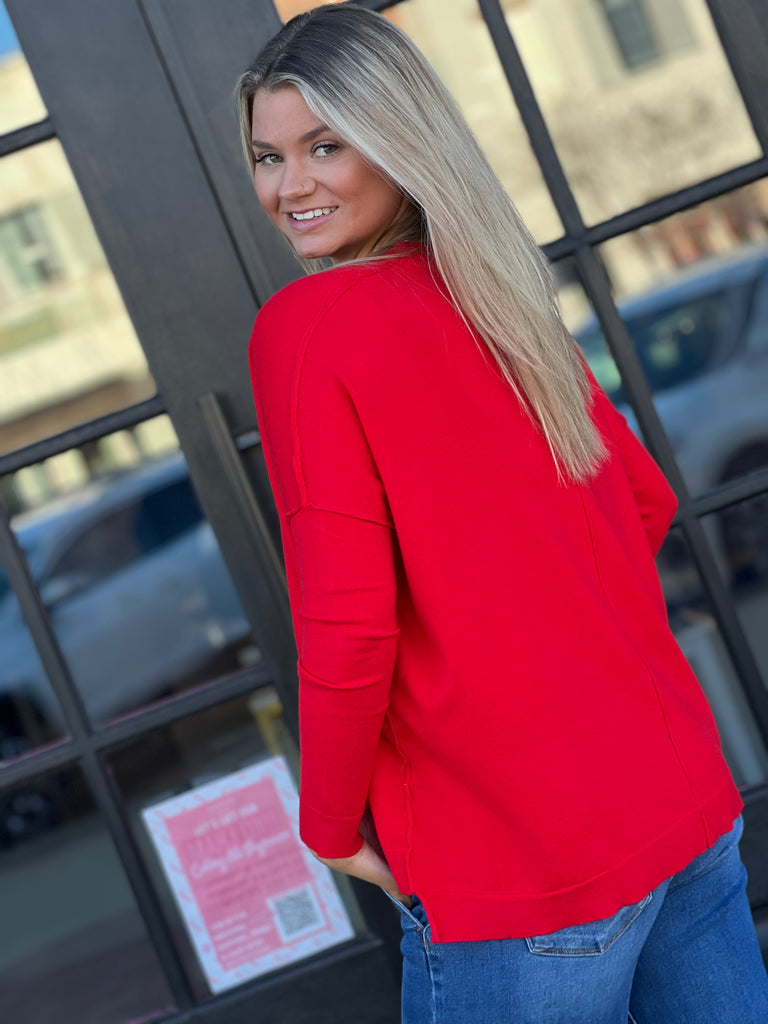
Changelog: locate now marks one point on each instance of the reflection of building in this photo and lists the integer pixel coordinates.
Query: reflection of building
(68, 352)
(604, 73)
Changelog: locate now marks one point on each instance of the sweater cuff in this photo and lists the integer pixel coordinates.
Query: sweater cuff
(329, 837)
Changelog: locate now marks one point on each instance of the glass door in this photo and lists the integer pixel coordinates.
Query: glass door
(148, 850)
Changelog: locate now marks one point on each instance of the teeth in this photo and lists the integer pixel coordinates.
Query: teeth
(310, 214)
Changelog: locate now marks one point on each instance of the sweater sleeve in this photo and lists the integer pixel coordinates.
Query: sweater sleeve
(347, 652)
(338, 542)
(655, 498)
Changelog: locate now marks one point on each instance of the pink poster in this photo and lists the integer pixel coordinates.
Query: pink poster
(252, 896)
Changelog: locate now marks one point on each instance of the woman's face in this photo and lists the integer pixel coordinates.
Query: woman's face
(320, 193)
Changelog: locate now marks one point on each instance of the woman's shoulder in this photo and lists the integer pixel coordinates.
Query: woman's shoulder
(345, 292)
(310, 296)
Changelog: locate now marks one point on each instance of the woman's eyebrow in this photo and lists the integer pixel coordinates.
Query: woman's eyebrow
(306, 137)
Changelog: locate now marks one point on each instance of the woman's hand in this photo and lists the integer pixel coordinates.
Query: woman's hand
(369, 865)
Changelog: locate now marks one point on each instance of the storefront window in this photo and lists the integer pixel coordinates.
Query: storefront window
(131, 575)
(639, 97)
(693, 293)
(68, 351)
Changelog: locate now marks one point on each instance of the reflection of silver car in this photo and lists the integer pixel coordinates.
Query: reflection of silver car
(702, 338)
(137, 592)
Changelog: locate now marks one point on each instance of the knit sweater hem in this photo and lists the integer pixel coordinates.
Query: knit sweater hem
(469, 916)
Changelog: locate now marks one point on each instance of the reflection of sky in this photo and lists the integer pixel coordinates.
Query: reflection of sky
(8, 40)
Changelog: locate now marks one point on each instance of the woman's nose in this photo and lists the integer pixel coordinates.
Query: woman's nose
(295, 183)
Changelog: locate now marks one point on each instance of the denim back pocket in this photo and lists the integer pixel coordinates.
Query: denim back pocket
(589, 939)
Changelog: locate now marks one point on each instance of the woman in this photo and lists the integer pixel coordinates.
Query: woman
(469, 530)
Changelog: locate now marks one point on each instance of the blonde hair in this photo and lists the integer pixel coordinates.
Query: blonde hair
(366, 80)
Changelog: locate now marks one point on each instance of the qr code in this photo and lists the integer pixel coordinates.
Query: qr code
(296, 913)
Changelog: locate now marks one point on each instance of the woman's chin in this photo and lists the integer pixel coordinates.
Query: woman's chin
(319, 249)
(315, 254)
(312, 252)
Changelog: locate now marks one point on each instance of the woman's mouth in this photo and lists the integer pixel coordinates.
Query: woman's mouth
(305, 220)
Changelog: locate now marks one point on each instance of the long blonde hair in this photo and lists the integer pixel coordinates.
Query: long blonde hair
(365, 79)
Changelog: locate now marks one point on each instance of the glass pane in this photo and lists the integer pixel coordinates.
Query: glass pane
(21, 102)
(453, 37)
(73, 946)
(699, 637)
(68, 352)
(201, 750)
(130, 571)
(638, 96)
(693, 293)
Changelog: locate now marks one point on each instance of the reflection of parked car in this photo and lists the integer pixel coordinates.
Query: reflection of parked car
(702, 339)
(137, 592)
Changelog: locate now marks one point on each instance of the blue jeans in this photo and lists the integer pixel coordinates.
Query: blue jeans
(685, 954)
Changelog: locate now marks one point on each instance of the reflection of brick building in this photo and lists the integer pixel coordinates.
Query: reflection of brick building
(68, 349)
(68, 352)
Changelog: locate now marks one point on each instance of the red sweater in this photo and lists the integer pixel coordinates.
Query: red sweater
(484, 654)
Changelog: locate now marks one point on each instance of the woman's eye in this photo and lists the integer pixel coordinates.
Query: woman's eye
(326, 149)
(267, 158)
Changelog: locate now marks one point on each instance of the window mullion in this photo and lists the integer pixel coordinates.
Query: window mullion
(29, 135)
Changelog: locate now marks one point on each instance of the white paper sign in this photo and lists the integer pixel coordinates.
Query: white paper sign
(251, 895)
